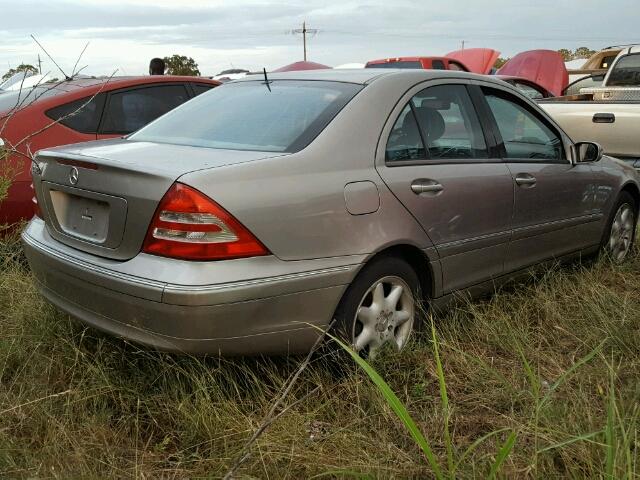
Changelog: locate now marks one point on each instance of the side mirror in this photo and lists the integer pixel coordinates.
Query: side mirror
(587, 152)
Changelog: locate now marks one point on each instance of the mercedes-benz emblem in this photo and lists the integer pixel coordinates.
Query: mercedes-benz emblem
(73, 176)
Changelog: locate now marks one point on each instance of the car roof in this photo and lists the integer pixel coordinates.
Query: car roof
(360, 75)
(50, 94)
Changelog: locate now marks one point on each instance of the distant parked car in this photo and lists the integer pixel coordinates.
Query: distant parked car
(427, 63)
(123, 105)
(244, 218)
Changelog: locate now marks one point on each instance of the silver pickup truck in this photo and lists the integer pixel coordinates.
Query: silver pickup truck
(608, 115)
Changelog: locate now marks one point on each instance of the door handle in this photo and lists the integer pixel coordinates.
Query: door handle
(426, 186)
(525, 180)
(604, 118)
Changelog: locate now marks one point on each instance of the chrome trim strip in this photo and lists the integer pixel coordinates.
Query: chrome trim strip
(88, 266)
(257, 281)
(174, 287)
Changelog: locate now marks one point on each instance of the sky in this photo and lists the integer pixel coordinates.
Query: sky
(252, 34)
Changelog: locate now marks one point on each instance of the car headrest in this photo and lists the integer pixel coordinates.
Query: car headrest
(432, 122)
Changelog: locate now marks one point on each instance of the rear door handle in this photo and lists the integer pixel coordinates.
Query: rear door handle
(426, 186)
(604, 118)
(525, 180)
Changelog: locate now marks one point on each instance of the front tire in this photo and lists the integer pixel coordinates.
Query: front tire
(380, 307)
(619, 236)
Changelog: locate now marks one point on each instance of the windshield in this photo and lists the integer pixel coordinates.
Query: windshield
(283, 117)
(626, 72)
(14, 79)
(394, 65)
(18, 99)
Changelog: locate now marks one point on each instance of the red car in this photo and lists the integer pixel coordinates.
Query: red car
(426, 63)
(121, 106)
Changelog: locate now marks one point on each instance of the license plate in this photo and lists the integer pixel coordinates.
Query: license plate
(81, 217)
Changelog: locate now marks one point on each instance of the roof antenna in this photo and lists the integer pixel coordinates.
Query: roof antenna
(67, 77)
(266, 80)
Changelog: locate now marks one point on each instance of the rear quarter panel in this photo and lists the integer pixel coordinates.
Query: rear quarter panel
(295, 204)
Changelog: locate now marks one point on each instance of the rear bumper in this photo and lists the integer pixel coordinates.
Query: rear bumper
(231, 316)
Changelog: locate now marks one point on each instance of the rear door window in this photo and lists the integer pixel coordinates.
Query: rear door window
(129, 110)
(199, 88)
(439, 123)
(524, 134)
(438, 65)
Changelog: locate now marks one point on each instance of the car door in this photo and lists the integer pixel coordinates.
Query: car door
(436, 160)
(553, 209)
(130, 109)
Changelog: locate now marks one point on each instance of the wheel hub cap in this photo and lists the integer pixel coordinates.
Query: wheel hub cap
(621, 235)
(385, 315)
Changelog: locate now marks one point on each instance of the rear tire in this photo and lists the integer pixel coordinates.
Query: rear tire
(380, 307)
(619, 235)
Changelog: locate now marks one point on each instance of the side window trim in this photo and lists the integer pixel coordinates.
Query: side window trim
(132, 89)
(498, 136)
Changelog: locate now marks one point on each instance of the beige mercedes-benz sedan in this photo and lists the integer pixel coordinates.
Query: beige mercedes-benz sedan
(253, 213)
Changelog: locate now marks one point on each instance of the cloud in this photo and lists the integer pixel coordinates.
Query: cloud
(253, 33)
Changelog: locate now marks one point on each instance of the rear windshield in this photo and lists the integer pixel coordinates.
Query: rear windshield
(626, 72)
(284, 116)
(395, 65)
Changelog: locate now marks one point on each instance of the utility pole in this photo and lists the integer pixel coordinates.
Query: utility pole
(39, 65)
(304, 30)
(463, 45)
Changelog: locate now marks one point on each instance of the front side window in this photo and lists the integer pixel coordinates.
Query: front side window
(283, 116)
(442, 119)
(130, 110)
(528, 90)
(524, 135)
(626, 72)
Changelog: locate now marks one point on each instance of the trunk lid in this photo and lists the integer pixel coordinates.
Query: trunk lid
(100, 197)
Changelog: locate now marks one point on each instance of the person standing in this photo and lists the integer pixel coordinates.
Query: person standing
(156, 66)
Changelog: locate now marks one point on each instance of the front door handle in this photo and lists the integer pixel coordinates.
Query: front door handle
(425, 186)
(525, 180)
(604, 118)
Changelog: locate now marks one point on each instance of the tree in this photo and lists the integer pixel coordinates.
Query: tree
(583, 52)
(181, 65)
(23, 67)
(566, 54)
(500, 62)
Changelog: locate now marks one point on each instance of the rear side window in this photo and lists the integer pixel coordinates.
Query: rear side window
(447, 124)
(81, 115)
(283, 116)
(129, 110)
(626, 72)
(524, 135)
(438, 65)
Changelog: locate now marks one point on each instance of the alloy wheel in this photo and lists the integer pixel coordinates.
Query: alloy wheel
(621, 234)
(385, 315)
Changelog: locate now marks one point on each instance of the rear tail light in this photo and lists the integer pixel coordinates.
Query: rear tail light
(191, 226)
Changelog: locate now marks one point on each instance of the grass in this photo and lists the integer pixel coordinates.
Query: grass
(540, 381)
